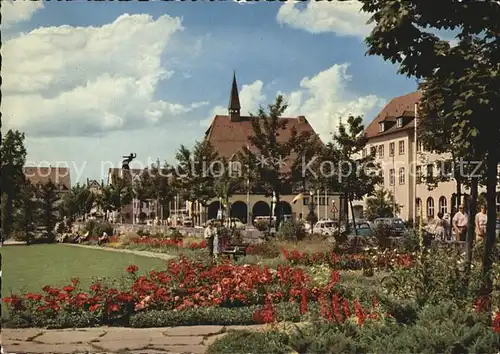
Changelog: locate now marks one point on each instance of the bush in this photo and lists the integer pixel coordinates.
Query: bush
(262, 225)
(251, 342)
(268, 249)
(175, 235)
(129, 238)
(291, 231)
(142, 232)
(97, 228)
(382, 232)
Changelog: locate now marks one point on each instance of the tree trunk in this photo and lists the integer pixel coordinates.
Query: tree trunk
(7, 221)
(353, 219)
(346, 212)
(491, 183)
(472, 223)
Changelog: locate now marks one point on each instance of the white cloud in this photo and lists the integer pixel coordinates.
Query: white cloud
(251, 97)
(342, 18)
(323, 99)
(18, 11)
(89, 80)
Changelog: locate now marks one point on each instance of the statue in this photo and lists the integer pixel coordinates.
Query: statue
(127, 160)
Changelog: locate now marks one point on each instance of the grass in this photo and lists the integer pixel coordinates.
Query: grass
(29, 268)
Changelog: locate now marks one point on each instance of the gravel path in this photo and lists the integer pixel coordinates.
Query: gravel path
(159, 255)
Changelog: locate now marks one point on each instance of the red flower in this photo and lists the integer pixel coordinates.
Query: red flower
(132, 269)
(496, 322)
(69, 289)
(113, 308)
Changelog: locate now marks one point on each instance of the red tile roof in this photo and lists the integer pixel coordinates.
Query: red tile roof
(60, 176)
(228, 137)
(402, 106)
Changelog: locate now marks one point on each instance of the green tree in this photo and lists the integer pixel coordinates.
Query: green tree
(12, 159)
(143, 189)
(228, 180)
(356, 175)
(271, 154)
(194, 172)
(381, 205)
(469, 72)
(115, 195)
(162, 186)
(27, 209)
(48, 198)
(78, 202)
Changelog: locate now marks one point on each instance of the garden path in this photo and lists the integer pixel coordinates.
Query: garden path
(190, 339)
(163, 256)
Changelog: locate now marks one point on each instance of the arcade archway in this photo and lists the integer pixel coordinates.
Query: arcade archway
(239, 210)
(212, 210)
(261, 209)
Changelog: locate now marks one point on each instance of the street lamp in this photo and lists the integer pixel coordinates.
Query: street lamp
(311, 209)
(219, 214)
(274, 201)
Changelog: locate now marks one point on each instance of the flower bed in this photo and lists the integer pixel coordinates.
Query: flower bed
(184, 285)
(380, 260)
(157, 242)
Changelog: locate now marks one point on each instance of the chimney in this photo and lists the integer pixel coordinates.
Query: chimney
(302, 119)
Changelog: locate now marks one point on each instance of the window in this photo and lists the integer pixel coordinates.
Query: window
(391, 149)
(399, 122)
(430, 207)
(402, 175)
(418, 173)
(305, 200)
(323, 200)
(419, 145)
(430, 171)
(447, 168)
(381, 151)
(373, 151)
(381, 127)
(392, 176)
(443, 205)
(401, 147)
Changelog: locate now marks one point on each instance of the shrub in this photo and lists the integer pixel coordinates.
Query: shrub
(142, 232)
(268, 249)
(251, 342)
(262, 225)
(175, 235)
(291, 231)
(129, 238)
(382, 232)
(96, 228)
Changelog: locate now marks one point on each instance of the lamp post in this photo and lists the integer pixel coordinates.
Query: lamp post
(311, 210)
(219, 214)
(175, 206)
(274, 201)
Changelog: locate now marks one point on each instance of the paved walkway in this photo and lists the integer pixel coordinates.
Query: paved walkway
(180, 340)
(163, 256)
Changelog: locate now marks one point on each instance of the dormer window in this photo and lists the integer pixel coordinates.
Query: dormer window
(399, 122)
(381, 127)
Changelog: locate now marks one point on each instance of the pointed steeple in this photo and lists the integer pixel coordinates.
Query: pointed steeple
(234, 101)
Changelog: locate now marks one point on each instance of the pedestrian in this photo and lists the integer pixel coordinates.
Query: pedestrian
(460, 222)
(209, 236)
(481, 221)
(447, 226)
(440, 228)
(217, 241)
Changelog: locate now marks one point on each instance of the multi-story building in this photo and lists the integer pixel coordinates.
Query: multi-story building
(393, 140)
(59, 176)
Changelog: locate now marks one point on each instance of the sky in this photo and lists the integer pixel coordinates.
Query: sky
(90, 82)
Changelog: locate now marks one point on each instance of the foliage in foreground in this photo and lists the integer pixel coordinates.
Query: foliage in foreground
(442, 328)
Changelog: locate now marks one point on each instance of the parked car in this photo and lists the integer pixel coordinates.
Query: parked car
(235, 223)
(187, 221)
(362, 229)
(264, 219)
(325, 227)
(397, 225)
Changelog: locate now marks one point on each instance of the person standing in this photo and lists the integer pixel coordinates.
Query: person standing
(460, 222)
(439, 228)
(209, 236)
(481, 221)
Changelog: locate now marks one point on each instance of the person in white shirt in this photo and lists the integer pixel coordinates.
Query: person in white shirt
(460, 222)
(209, 236)
(481, 221)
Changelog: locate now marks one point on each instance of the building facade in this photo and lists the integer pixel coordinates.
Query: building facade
(229, 134)
(392, 139)
(59, 176)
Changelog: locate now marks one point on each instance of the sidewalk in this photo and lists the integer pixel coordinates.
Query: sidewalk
(159, 255)
(192, 339)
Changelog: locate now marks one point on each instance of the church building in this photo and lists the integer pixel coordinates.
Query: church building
(229, 134)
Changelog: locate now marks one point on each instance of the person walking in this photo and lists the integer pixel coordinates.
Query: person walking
(460, 222)
(481, 221)
(440, 228)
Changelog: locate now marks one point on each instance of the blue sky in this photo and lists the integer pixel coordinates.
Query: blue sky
(95, 85)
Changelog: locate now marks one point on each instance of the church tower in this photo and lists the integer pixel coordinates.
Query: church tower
(234, 102)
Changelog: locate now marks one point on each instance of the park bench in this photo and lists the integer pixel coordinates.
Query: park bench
(236, 250)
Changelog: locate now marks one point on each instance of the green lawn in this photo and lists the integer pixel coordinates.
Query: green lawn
(29, 268)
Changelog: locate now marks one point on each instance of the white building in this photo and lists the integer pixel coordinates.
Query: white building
(393, 139)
